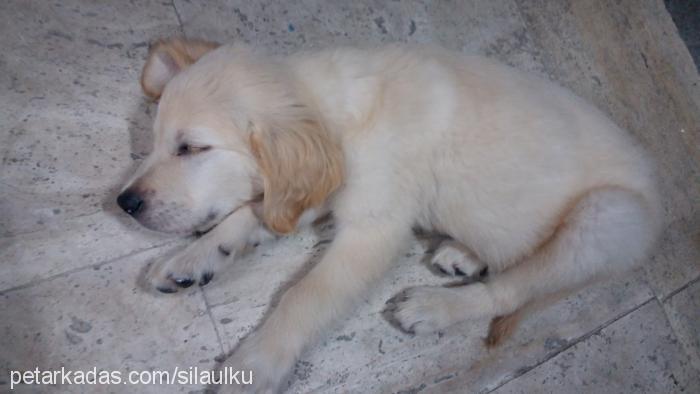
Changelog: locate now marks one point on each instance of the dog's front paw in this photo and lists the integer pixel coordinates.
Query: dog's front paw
(421, 310)
(265, 361)
(196, 264)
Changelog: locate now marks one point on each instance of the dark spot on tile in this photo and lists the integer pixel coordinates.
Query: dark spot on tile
(243, 18)
(225, 320)
(443, 378)
(644, 58)
(220, 358)
(379, 21)
(59, 34)
(103, 45)
(346, 338)
(302, 370)
(80, 326)
(413, 390)
(554, 343)
(74, 339)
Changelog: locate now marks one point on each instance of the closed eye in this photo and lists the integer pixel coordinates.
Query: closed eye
(185, 149)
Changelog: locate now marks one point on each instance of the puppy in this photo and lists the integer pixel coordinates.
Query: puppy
(525, 178)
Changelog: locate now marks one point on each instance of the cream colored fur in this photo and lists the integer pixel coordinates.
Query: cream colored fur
(526, 178)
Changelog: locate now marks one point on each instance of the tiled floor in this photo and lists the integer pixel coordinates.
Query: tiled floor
(74, 125)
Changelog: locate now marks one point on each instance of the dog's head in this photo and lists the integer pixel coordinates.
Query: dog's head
(231, 126)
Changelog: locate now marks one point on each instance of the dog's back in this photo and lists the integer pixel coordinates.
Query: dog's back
(515, 150)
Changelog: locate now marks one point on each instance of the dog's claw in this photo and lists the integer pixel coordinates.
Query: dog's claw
(206, 278)
(184, 282)
(484, 272)
(224, 251)
(166, 290)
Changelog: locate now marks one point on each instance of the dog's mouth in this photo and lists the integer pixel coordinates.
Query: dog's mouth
(206, 226)
(213, 219)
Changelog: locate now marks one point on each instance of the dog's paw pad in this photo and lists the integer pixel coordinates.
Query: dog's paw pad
(171, 283)
(206, 278)
(166, 290)
(194, 265)
(184, 282)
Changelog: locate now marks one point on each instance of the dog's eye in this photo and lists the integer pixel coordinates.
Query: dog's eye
(183, 149)
(187, 149)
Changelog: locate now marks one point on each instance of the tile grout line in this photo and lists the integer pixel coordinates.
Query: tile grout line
(213, 322)
(574, 343)
(83, 268)
(680, 289)
(671, 324)
(179, 19)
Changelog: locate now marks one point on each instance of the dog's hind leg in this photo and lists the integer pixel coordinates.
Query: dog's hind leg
(607, 231)
(454, 259)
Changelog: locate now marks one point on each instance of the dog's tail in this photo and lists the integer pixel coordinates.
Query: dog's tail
(503, 327)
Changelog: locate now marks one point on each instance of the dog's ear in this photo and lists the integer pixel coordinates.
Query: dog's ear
(168, 57)
(301, 166)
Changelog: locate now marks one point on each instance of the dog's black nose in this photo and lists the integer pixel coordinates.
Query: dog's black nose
(130, 202)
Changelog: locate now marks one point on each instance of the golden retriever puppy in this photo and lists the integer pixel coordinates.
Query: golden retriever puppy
(524, 177)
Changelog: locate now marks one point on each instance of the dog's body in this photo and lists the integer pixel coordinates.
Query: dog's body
(527, 180)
